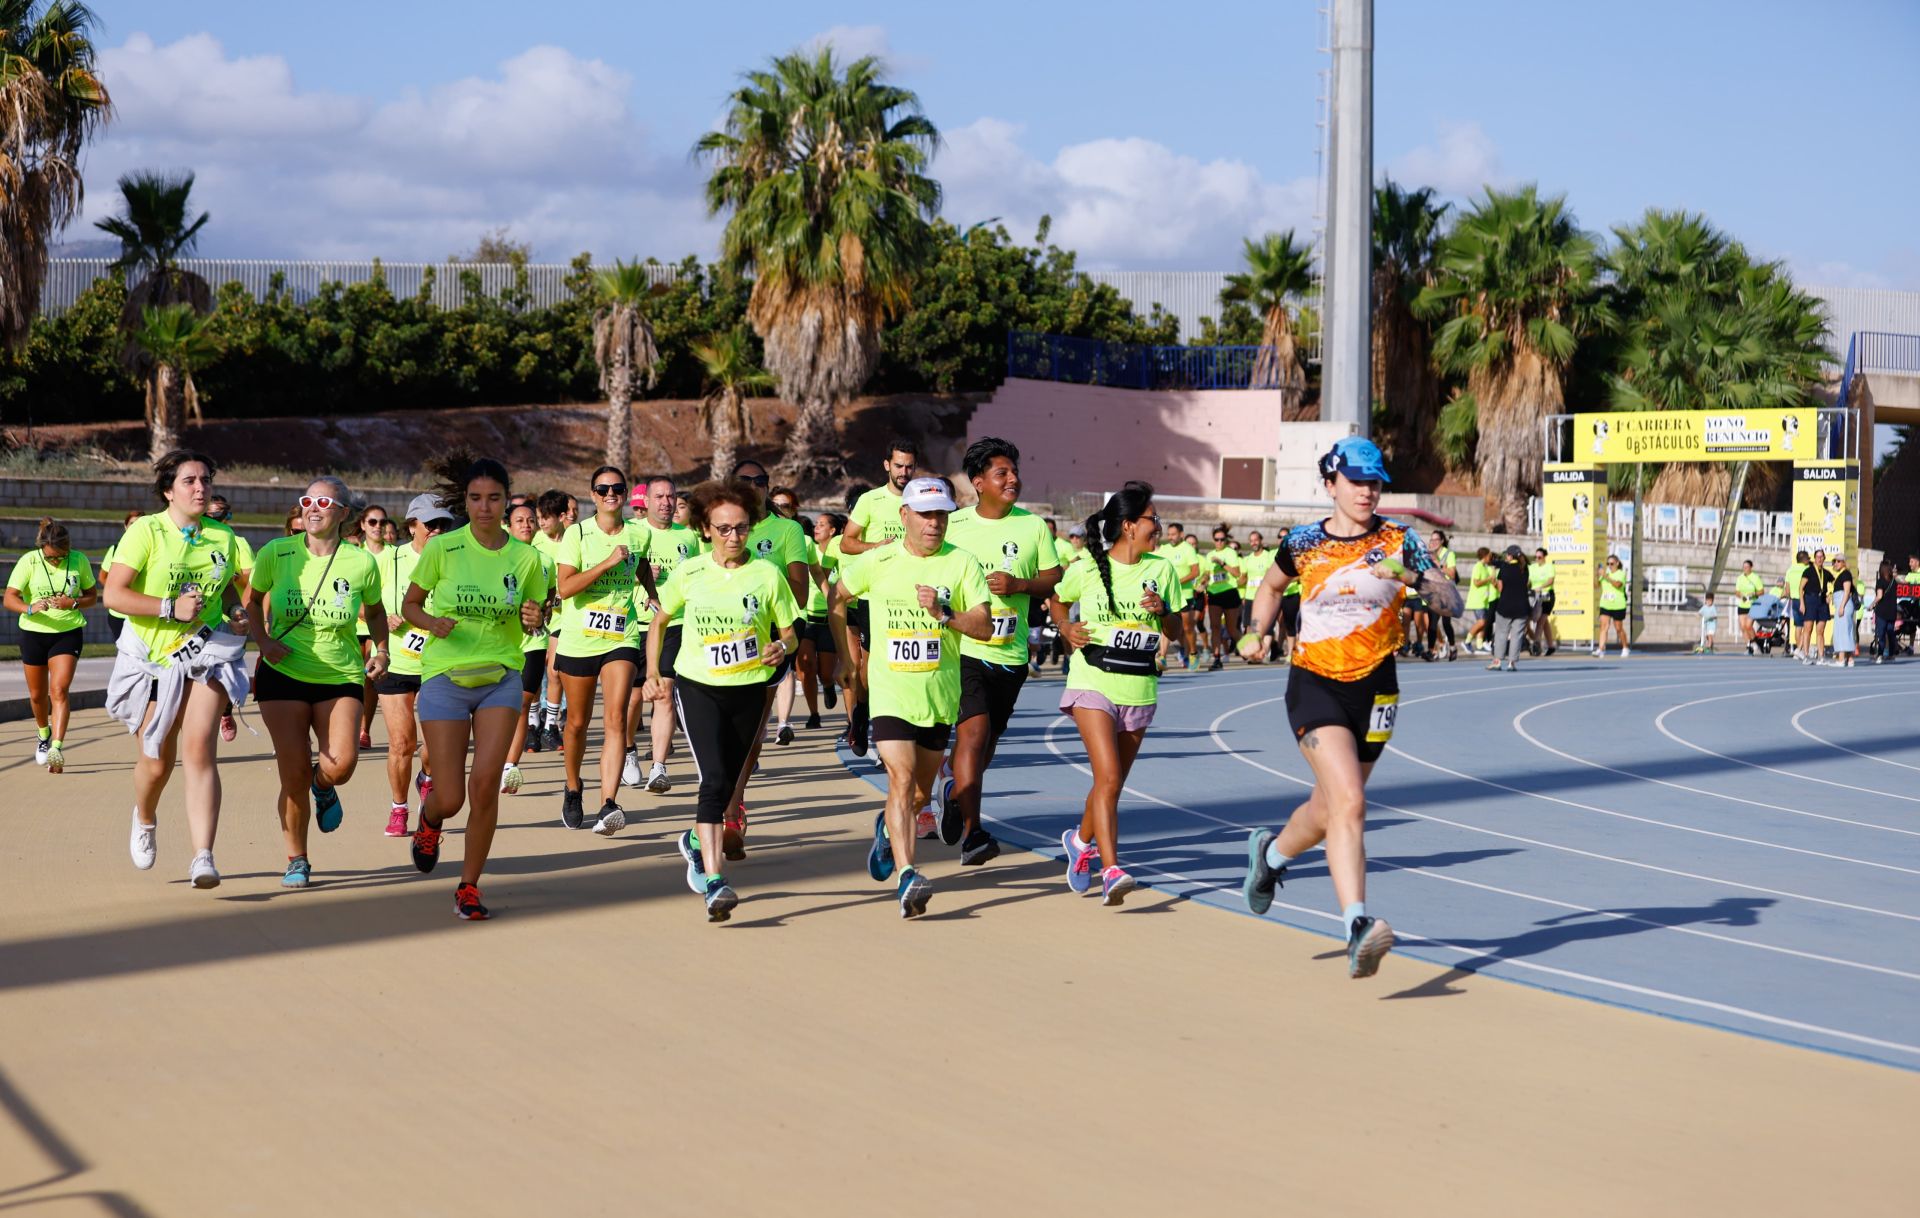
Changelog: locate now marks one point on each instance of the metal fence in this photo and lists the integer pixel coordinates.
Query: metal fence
(545, 284)
(1086, 361)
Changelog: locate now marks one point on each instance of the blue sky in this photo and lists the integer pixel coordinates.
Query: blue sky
(1156, 136)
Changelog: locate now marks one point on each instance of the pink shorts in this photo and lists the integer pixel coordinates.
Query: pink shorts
(1126, 718)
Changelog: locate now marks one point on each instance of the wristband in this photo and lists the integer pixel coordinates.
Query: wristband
(166, 609)
(1254, 635)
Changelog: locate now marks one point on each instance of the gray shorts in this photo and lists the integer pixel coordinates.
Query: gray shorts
(440, 698)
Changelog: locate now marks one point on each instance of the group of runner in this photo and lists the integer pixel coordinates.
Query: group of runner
(488, 624)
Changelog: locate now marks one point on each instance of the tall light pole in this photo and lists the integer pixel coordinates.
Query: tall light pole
(1346, 384)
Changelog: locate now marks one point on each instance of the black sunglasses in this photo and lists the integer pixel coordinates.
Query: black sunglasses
(756, 479)
(610, 488)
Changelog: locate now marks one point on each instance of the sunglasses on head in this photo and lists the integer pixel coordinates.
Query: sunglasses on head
(610, 488)
(324, 502)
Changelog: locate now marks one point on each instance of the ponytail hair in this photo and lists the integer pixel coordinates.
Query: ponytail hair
(1124, 506)
(455, 471)
(52, 533)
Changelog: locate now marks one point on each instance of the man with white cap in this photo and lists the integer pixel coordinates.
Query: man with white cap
(401, 684)
(922, 594)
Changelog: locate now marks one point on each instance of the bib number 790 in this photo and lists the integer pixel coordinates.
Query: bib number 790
(1386, 707)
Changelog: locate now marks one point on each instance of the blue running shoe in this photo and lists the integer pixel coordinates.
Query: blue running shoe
(1262, 879)
(720, 900)
(915, 892)
(326, 805)
(696, 866)
(1115, 884)
(880, 858)
(1079, 862)
(1370, 939)
(299, 873)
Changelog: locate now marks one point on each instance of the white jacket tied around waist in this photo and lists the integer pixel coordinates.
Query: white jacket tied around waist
(220, 657)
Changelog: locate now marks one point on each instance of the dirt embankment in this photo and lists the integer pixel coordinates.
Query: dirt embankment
(561, 442)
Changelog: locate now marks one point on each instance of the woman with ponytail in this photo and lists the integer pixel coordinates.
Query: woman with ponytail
(1129, 600)
(48, 589)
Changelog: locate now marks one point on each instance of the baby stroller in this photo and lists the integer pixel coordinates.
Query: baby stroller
(1768, 617)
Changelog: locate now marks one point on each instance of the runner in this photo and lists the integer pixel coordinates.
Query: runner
(1122, 640)
(1342, 693)
(219, 509)
(599, 565)
(306, 594)
(553, 508)
(1447, 564)
(818, 654)
(1540, 603)
(669, 545)
(740, 615)
(399, 686)
(1613, 606)
(873, 519)
(1253, 569)
(494, 590)
(116, 621)
(178, 667)
(1179, 549)
(522, 522)
(48, 588)
(1016, 555)
(784, 502)
(1480, 593)
(922, 592)
(1746, 589)
(372, 528)
(1222, 573)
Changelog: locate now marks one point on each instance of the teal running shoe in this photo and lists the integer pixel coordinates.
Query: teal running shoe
(1262, 878)
(880, 858)
(1370, 939)
(299, 873)
(326, 805)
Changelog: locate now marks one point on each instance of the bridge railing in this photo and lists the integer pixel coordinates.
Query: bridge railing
(1086, 361)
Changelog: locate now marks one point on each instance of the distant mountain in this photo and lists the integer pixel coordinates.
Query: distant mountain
(100, 247)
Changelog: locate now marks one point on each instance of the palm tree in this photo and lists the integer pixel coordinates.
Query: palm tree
(176, 341)
(732, 376)
(155, 234)
(822, 170)
(1406, 389)
(1514, 283)
(1278, 270)
(50, 103)
(623, 347)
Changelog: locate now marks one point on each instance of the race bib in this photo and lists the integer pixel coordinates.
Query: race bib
(414, 644)
(1133, 638)
(1380, 721)
(1004, 626)
(917, 652)
(191, 646)
(603, 623)
(731, 654)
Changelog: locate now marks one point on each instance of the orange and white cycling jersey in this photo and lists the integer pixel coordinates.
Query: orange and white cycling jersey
(1349, 617)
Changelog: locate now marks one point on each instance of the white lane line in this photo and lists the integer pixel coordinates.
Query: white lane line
(1798, 727)
(1530, 738)
(1545, 845)
(1660, 723)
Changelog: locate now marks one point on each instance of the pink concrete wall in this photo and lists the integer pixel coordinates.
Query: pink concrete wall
(1085, 438)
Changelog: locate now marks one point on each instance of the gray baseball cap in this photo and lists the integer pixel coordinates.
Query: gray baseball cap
(426, 509)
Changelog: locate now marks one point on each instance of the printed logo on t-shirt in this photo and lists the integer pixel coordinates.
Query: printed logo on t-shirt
(764, 546)
(512, 584)
(749, 609)
(686, 551)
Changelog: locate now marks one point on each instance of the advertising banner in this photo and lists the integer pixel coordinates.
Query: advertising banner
(1826, 508)
(1697, 435)
(1574, 532)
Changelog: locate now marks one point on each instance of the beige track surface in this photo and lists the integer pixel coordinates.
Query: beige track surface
(598, 1048)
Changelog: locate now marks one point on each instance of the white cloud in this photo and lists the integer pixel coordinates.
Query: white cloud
(855, 41)
(1831, 274)
(1459, 161)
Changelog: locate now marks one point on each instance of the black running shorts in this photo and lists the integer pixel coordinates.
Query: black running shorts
(1366, 707)
(990, 690)
(533, 670)
(1230, 599)
(272, 685)
(39, 646)
(889, 727)
(398, 683)
(590, 666)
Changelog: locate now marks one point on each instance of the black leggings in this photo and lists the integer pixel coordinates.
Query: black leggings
(720, 722)
(1435, 623)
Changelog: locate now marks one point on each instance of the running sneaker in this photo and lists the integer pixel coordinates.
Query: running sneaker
(326, 805)
(829, 694)
(366, 738)
(1625, 652)
(426, 846)
(56, 760)
(953, 820)
(397, 821)
(657, 780)
(630, 768)
(1370, 939)
(142, 844)
(202, 872)
(1262, 877)
(880, 856)
(299, 873)
(720, 899)
(1512, 667)
(857, 730)
(573, 810)
(785, 735)
(40, 750)
(813, 720)
(1217, 664)
(914, 893)
(980, 847)
(612, 819)
(696, 867)
(511, 780)
(550, 738)
(733, 835)
(926, 826)
(423, 787)
(228, 731)
(1079, 861)
(536, 738)
(466, 904)
(1115, 884)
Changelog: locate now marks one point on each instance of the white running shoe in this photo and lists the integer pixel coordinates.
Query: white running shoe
(630, 768)
(611, 821)
(203, 873)
(40, 750)
(657, 780)
(1625, 652)
(142, 845)
(510, 780)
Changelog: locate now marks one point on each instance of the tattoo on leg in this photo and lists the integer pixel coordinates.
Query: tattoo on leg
(1310, 741)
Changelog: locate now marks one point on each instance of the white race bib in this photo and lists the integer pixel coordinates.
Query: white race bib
(731, 654)
(913, 652)
(603, 623)
(1386, 707)
(1134, 639)
(1004, 625)
(191, 646)
(414, 644)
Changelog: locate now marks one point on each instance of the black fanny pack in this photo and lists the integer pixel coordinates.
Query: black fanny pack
(1125, 661)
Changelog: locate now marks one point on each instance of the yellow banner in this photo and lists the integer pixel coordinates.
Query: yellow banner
(1696, 435)
(1826, 508)
(1573, 502)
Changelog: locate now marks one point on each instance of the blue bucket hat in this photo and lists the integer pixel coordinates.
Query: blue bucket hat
(1358, 458)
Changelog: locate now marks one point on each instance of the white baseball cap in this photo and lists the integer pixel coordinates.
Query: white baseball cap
(927, 495)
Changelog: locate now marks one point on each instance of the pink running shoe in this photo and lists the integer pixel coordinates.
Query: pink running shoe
(423, 783)
(228, 728)
(926, 825)
(397, 821)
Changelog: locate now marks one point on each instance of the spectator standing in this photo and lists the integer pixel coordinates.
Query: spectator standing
(1511, 608)
(1745, 588)
(1886, 610)
(1844, 596)
(1709, 622)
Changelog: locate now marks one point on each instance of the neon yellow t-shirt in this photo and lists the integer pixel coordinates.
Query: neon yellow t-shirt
(36, 577)
(1019, 544)
(320, 599)
(408, 643)
(1479, 595)
(1613, 589)
(913, 671)
(243, 550)
(166, 562)
(1183, 556)
(1220, 568)
(1255, 564)
(1121, 624)
(878, 514)
(829, 561)
(1746, 587)
(482, 590)
(669, 547)
(537, 640)
(597, 619)
(728, 616)
(1539, 575)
